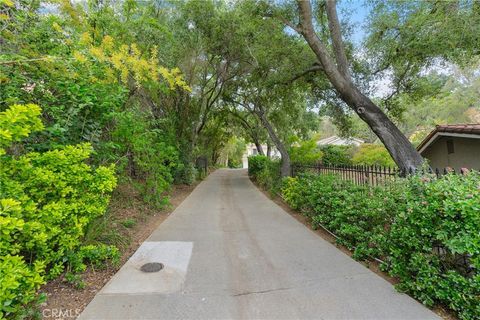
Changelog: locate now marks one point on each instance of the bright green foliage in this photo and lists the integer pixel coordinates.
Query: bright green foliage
(336, 155)
(17, 122)
(405, 224)
(144, 152)
(373, 154)
(97, 84)
(443, 213)
(18, 284)
(305, 153)
(256, 164)
(266, 172)
(46, 201)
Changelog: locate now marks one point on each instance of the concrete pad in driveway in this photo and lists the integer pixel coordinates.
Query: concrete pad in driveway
(174, 257)
(231, 253)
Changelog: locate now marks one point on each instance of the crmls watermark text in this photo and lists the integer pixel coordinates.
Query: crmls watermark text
(60, 313)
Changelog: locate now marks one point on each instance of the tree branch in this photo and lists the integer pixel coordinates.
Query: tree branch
(314, 68)
(336, 35)
(320, 50)
(297, 28)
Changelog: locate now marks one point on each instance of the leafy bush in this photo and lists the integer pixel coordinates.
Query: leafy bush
(305, 153)
(19, 283)
(269, 178)
(186, 173)
(256, 164)
(46, 201)
(17, 123)
(424, 228)
(266, 172)
(146, 154)
(373, 154)
(442, 216)
(336, 155)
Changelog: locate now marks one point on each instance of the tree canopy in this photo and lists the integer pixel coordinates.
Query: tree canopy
(195, 73)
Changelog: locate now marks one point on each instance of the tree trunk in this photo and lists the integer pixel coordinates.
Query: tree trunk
(399, 147)
(401, 150)
(259, 147)
(285, 169)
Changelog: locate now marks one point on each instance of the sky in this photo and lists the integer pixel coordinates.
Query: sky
(355, 11)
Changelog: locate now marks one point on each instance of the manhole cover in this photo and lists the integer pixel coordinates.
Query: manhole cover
(152, 267)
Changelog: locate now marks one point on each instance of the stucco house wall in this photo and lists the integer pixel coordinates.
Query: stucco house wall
(466, 153)
(251, 150)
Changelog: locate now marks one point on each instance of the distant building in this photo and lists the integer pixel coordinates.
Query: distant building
(456, 146)
(251, 150)
(337, 141)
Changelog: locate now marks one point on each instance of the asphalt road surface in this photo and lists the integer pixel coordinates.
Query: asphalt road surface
(228, 252)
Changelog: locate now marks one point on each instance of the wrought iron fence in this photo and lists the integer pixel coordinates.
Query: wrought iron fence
(366, 175)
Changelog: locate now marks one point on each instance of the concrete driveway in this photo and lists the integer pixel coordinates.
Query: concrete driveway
(228, 252)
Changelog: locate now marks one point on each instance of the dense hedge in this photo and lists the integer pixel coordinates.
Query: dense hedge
(266, 172)
(337, 155)
(256, 164)
(424, 228)
(427, 230)
(46, 202)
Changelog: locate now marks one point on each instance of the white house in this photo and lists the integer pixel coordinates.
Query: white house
(337, 141)
(251, 150)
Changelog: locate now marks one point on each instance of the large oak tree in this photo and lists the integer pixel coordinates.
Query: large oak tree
(334, 64)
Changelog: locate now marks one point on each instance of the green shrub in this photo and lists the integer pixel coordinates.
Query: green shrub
(336, 155)
(256, 164)
(422, 227)
(17, 122)
(186, 173)
(129, 223)
(46, 201)
(305, 153)
(146, 154)
(293, 193)
(269, 178)
(19, 283)
(444, 214)
(266, 172)
(373, 154)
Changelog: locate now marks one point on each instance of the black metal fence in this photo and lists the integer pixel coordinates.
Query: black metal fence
(201, 163)
(366, 175)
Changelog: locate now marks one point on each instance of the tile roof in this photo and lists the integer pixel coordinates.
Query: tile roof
(470, 128)
(459, 128)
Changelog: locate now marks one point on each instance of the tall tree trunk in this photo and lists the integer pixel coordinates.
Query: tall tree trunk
(401, 150)
(259, 148)
(285, 169)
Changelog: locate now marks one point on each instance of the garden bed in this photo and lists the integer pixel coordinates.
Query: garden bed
(130, 220)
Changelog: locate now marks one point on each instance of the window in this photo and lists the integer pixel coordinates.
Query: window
(450, 147)
(255, 152)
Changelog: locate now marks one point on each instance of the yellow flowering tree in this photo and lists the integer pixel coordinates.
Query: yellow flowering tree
(126, 61)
